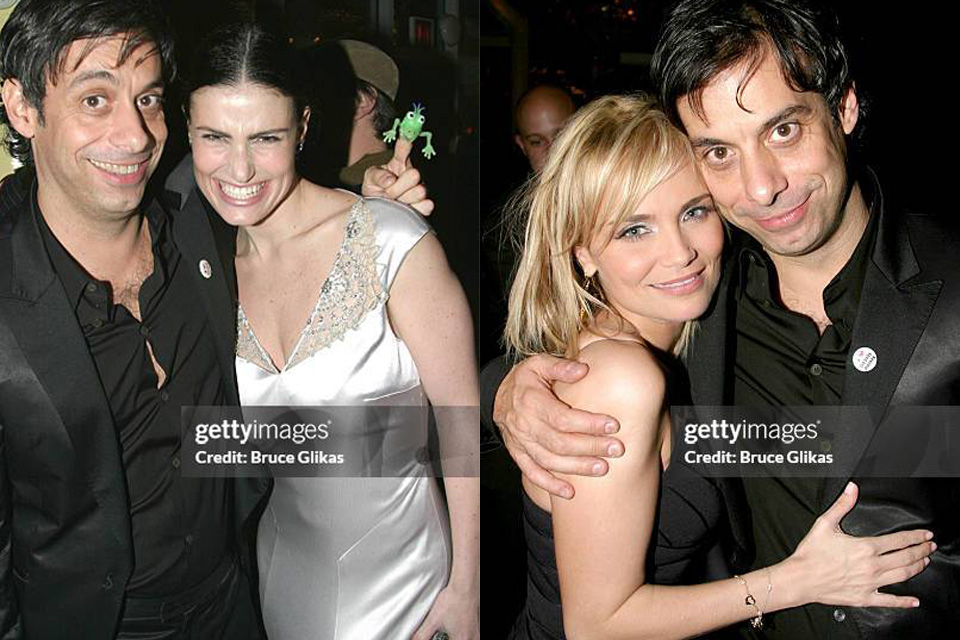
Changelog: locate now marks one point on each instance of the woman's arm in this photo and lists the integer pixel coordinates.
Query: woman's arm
(429, 312)
(604, 533)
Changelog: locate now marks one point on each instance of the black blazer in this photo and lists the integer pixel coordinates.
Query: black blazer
(910, 315)
(193, 221)
(65, 544)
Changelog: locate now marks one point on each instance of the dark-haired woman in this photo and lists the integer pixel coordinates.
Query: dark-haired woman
(342, 301)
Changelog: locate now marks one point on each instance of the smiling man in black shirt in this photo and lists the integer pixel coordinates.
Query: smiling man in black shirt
(178, 538)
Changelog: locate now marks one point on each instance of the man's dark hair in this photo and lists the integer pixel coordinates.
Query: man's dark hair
(384, 110)
(38, 33)
(702, 38)
(246, 52)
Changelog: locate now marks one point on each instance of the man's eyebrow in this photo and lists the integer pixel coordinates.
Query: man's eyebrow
(89, 76)
(699, 143)
(104, 75)
(789, 112)
(156, 84)
(777, 118)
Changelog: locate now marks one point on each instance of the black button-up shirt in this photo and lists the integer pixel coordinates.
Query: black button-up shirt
(782, 359)
(182, 527)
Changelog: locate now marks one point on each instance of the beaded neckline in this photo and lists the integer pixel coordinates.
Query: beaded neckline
(350, 291)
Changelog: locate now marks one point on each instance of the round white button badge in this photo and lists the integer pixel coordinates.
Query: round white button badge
(205, 269)
(864, 359)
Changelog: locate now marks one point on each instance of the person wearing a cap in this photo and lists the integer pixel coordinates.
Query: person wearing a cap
(377, 80)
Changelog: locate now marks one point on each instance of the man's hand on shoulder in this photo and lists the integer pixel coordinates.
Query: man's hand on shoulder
(545, 436)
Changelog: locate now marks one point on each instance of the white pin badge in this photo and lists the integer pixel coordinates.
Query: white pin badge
(205, 269)
(864, 359)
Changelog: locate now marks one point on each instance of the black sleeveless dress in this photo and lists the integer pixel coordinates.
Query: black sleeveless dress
(686, 549)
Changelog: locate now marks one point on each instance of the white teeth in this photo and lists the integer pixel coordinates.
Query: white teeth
(241, 193)
(677, 285)
(119, 169)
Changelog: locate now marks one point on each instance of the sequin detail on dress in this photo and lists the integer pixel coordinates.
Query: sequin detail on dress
(352, 290)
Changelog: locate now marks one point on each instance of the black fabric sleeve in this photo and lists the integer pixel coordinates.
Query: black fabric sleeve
(491, 376)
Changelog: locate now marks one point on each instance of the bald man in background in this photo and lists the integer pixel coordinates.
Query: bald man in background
(541, 113)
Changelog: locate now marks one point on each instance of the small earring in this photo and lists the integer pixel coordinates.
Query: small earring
(300, 146)
(591, 287)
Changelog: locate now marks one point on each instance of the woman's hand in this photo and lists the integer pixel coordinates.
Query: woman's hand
(429, 312)
(832, 567)
(398, 180)
(454, 611)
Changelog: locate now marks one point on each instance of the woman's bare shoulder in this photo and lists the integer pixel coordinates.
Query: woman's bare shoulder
(324, 211)
(326, 197)
(625, 377)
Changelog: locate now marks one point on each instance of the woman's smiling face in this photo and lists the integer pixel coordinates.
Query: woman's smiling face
(661, 265)
(244, 140)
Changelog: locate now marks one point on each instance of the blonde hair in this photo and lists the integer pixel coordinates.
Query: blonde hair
(608, 157)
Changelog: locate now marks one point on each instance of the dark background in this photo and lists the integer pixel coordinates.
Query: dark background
(905, 66)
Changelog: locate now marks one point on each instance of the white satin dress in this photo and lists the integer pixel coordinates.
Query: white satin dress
(349, 558)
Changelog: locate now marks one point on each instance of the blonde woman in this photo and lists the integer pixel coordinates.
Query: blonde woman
(621, 253)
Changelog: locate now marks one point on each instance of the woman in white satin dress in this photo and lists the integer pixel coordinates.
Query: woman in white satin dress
(342, 301)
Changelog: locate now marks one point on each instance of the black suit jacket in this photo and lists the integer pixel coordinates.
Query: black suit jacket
(910, 315)
(65, 544)
(195, 217)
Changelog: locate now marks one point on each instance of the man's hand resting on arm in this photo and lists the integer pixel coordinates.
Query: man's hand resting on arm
(545, 436)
